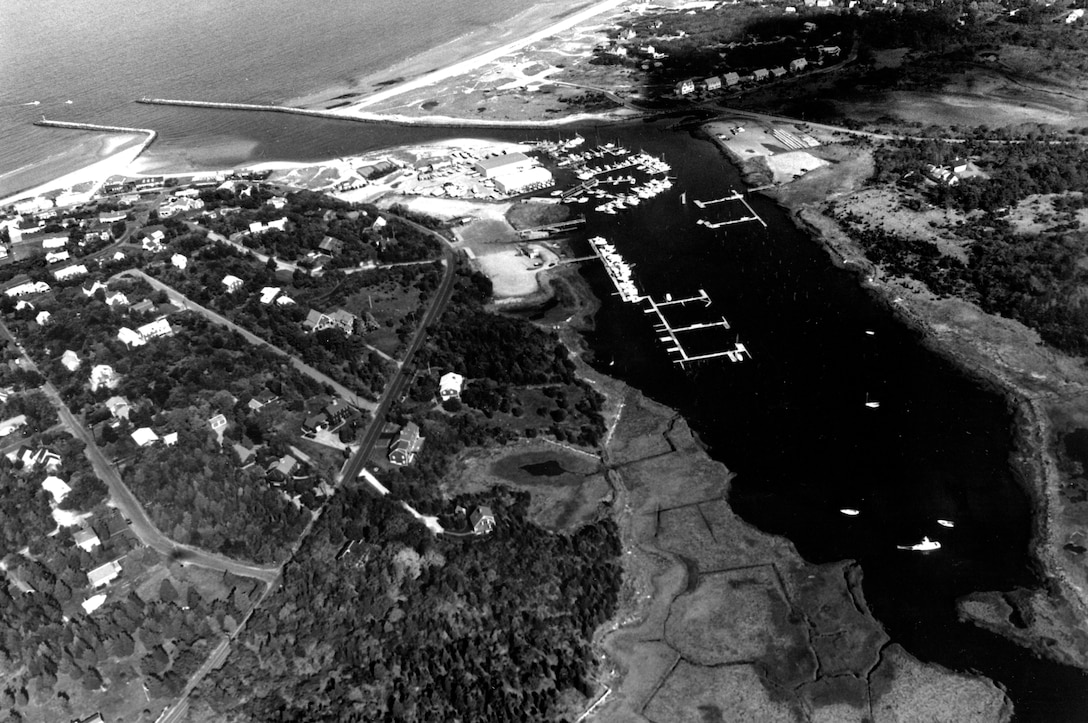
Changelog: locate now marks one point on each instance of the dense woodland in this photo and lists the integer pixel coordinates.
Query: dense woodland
(406, 627)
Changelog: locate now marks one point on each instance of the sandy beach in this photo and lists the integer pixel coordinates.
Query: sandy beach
(117, 152)
(457, 57)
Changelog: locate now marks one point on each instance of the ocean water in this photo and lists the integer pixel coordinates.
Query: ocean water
(101, 56)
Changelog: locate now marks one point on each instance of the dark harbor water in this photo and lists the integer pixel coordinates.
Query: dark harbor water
(794, 425)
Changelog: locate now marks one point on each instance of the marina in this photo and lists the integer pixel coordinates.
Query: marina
(687, 338)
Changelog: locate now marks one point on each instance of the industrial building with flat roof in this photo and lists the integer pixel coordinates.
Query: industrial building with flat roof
(503, 164)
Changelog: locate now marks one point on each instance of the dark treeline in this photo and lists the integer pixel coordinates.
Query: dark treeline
(405, 627)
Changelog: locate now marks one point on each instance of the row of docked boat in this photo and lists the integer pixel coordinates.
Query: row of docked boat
(618, 270)
(619, 201)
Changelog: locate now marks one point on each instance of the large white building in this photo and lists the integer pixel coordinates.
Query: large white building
(503, 164)
(522, 180)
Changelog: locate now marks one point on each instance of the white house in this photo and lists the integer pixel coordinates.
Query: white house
(117, 298)
(70, 272)
(144, 436)
(103, 376)
(42, 318)
(70, 360)
(130, 338)
(30, 287)
(57, 487)
(54, 242)
(54, 257)
(233, 283)
(119, 407)
(269, 293)
(90, 287)
(157, 328)
(86, 539)
(483, 520)
(449, 386)
(104, 574)
(8, 426)
(179, 261)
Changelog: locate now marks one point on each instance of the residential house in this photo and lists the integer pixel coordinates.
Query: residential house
(283, 469)
(269, 293)
(449, 386)
(104, 574)
(337, 411)
(760, 74)
(89, 606)
(277, 202)
(483, 520)
(316, 321)
(42, 318)
(170, 439)
(280, 224)
(155, 329)
(730, 79)
(91, 286)
(119, 407)
(70, 272)
(831, 51)
(57, 487)
(142, 307)
(54, 242)
(379, 224)
(685, 87)
(30, 287)
(130, 338)
(245, 455)
(111, 216)
(218, 423)
(284, 300)
(778, 72)
(405, 445)
(116, 298)
(96, 718)
(233, 283)
(331, 245)
(54, 257)
(798, 64)
(179, 261)
(10, 424)
(144, 436)
(70, 360)
(103, 376)
(86, 539)
(713, 83)
(344, 320)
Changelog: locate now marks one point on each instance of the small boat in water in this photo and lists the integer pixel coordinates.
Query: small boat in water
(946, 523)
(924, 546)
(850, 511)
(871, 403)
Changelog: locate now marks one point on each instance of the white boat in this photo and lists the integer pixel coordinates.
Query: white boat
(850, 512)
(946, 523)
(870, 332)
(925, 545)
(871, 403)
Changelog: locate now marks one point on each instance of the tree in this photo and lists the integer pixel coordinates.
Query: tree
(167, 591)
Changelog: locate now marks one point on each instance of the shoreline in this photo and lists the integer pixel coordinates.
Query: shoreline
(1033, 464)
(654, 461)
(451, 58)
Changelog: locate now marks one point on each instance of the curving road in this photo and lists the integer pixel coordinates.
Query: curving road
(350, 472)
(141, 524)
(179, 299)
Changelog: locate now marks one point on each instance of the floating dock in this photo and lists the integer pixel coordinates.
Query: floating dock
(677, 335)
(551, 229)
(682, 326)
(735, 196)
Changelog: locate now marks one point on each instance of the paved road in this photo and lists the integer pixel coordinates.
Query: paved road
(142, 526)
(349, 474)
(185, 302)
